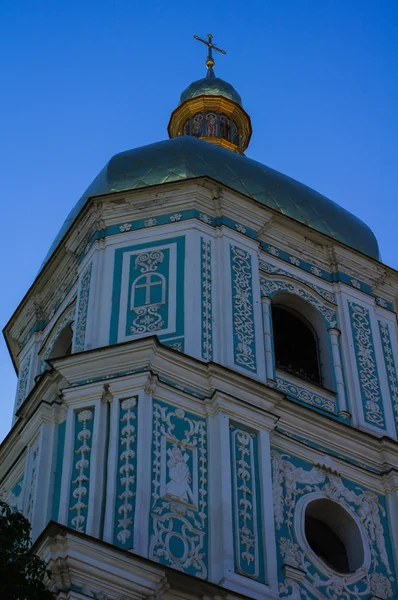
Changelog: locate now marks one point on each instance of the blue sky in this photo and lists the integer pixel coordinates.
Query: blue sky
(84, 79)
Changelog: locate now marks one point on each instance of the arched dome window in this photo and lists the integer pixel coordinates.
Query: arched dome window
(295, 344)
(197, 125)
(63, 344)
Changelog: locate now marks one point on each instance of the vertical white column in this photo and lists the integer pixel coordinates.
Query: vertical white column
(113, 446)
(267, 331)
(192, 294)
(94, 326)
(144, 470)
(221, 550)
(271, 567)
(97, 457)
(67, 467)
(334, 335)
(44, 480)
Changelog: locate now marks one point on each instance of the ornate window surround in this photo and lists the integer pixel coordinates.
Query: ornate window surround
(319, 564)
(321, 314)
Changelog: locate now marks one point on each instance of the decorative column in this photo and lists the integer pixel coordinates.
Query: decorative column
(334, 335)
(267, 330)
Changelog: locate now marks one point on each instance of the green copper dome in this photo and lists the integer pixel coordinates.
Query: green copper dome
(211, 86)
(186, 157)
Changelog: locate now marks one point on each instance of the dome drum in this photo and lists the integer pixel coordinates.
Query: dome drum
(214, 119)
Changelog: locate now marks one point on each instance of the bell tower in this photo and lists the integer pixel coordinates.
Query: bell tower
(207, 397)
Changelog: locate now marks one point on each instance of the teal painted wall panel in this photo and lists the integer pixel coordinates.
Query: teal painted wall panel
(80, 480)
(296, 482)
(365, 356)
(148, 304)
(247, 503)
(126, 474)
(178, 529)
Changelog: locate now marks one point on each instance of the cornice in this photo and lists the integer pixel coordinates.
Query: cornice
(206, 382)
(93, 565)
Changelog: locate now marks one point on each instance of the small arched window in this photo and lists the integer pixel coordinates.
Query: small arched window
(63, 344)
(197, 124)
(295, 344)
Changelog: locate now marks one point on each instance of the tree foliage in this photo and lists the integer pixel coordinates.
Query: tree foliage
(21, 572)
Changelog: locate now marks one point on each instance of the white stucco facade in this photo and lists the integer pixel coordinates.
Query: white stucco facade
(168, 446)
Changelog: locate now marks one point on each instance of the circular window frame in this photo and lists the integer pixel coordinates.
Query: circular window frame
(317, 562)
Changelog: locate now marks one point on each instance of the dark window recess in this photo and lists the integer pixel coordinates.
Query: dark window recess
(326, 544)
(63, 345)
(295, 345)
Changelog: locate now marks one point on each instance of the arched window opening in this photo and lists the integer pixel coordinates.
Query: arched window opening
(186, 130)
(63, 344)
(211, 125)
(197, 122)
(295, 345)
(334, 536)
(224, 127)
(235, 134)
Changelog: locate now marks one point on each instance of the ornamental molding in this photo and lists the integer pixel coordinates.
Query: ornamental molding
(148, 319)
(365, 355)
(82, 309)
(33, 480)
(242, 309)
(269, 287)
(206, 300)
(179, 509)
(150, 385)
(306, 395)
(391, 368)
(13, 494)
(80, 483)
(126, 473)
(247, 506)
(294, 487)
(271, 269)
(23, 379)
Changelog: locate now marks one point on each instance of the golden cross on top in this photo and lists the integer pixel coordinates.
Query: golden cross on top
(210, 60)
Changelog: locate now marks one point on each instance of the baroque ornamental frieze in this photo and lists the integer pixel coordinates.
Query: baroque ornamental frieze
(271, 269)
(369, 382)
(179, 496)
(269, 287)
(13, 493)
(126, 474)
(242, 309)
(34, 460)
(148, 292)
(206, 299)
(80, 479)
(390, 364)
(306, 395)
(303, 573)
(246, 503)
(23, 379)
(82, 310)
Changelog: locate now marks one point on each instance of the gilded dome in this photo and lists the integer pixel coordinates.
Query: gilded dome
(186, 157)
(211, 86)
